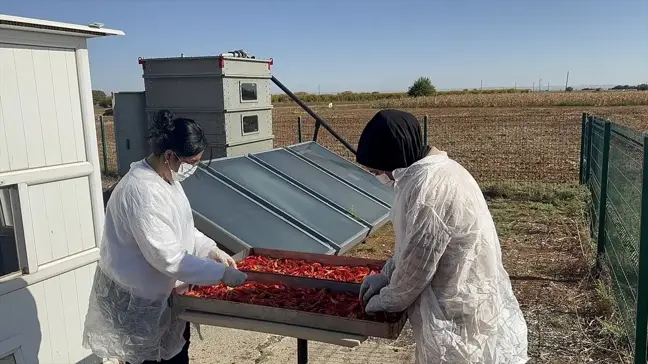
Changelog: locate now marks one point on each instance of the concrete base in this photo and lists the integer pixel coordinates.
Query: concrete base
(228, 346)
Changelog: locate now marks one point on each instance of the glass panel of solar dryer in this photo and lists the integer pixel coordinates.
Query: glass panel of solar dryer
(324, 184)
(244, 218)
(345, 170)
(340, 228)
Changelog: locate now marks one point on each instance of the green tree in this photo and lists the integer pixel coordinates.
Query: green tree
(421, 87)
(98, 96)
(569, 89)
(105, 102)
(642, 87)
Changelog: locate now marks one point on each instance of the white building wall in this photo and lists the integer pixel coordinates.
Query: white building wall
(49, 160)
(48, 317)
(40, 113)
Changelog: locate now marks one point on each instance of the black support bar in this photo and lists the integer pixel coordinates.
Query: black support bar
(318, 120)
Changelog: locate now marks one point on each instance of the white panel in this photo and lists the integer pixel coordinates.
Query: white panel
(72, 219)
(62, 221)
(60, 80)
(4, 153)
(47, 107)
(72, 316)
(31, 119)
(75, 103)
(84, 277)
(40, 224)
(55, 220)
(82, 189)
(57, 326)
(14, 134)
(40, 297)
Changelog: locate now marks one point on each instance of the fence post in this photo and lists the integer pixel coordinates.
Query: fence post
(299, 130)
(642, 286)
(425, 129)
(590, 129)
(316, 132)
(103, 144)
(603, 195)
(581, 171)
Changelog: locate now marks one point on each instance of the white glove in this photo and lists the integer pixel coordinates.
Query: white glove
(222, 257)
(374, 305)
(372, 285)
(233, 277)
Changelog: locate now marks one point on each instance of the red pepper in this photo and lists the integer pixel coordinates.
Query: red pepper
(302, 268)
(340, 304)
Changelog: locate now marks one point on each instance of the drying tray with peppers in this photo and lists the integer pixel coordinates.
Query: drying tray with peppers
(303, 289)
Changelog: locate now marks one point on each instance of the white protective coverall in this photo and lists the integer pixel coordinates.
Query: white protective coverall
(447, 269)
(149, 247)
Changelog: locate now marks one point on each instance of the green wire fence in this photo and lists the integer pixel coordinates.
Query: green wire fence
(613, 166)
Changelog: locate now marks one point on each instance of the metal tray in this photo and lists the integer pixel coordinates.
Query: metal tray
(294, 317)
(310, 257)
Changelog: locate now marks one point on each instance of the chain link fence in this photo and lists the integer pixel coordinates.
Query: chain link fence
(612, 167)
(495, 145)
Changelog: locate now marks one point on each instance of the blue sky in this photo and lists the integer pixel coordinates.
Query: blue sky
(377, 45)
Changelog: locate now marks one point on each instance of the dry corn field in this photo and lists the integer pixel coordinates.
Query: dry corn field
(495, 144)
(532, 99)
(498, 137)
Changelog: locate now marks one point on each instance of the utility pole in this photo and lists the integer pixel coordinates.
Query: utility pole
(547, 86)
(567, 81)
(481, 85)
(533, 87)
(515, 85)
(539, 84)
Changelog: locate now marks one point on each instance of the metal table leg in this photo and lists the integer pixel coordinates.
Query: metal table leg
(302, 351)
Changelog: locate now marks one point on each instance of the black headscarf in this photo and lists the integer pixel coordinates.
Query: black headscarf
(391, 139)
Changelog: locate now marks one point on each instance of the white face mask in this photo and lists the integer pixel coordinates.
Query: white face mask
(384, 179)
(184, 171)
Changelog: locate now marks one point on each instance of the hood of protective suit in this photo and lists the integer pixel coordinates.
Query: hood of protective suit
(447, 269)
(392, 139)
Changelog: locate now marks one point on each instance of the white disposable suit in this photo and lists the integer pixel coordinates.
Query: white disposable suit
(447, 269)
(149, 247)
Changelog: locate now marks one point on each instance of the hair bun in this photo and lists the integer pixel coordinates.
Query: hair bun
(163, 121)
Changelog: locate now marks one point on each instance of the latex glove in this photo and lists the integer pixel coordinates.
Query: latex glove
(222, 257)
(372, 285)
(374, 305)
(233, 277)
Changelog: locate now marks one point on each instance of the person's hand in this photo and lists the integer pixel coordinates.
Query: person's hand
(374, 305)
(233, 277)
(372, 285)
(222, 257)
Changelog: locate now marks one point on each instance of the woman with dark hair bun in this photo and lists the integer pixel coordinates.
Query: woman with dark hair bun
(150, 248)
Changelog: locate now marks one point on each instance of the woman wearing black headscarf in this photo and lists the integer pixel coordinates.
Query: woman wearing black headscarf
(447, 268)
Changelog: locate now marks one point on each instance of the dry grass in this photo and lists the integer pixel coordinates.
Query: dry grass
(547, 253)
(533, 99)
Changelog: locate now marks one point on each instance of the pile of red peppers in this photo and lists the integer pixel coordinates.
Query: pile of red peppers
(321, 301)
(341, 304)
(302, 268)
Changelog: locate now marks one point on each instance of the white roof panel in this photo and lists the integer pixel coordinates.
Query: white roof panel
(46, 26)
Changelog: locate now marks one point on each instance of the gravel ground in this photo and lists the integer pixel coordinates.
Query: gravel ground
(227, 346)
